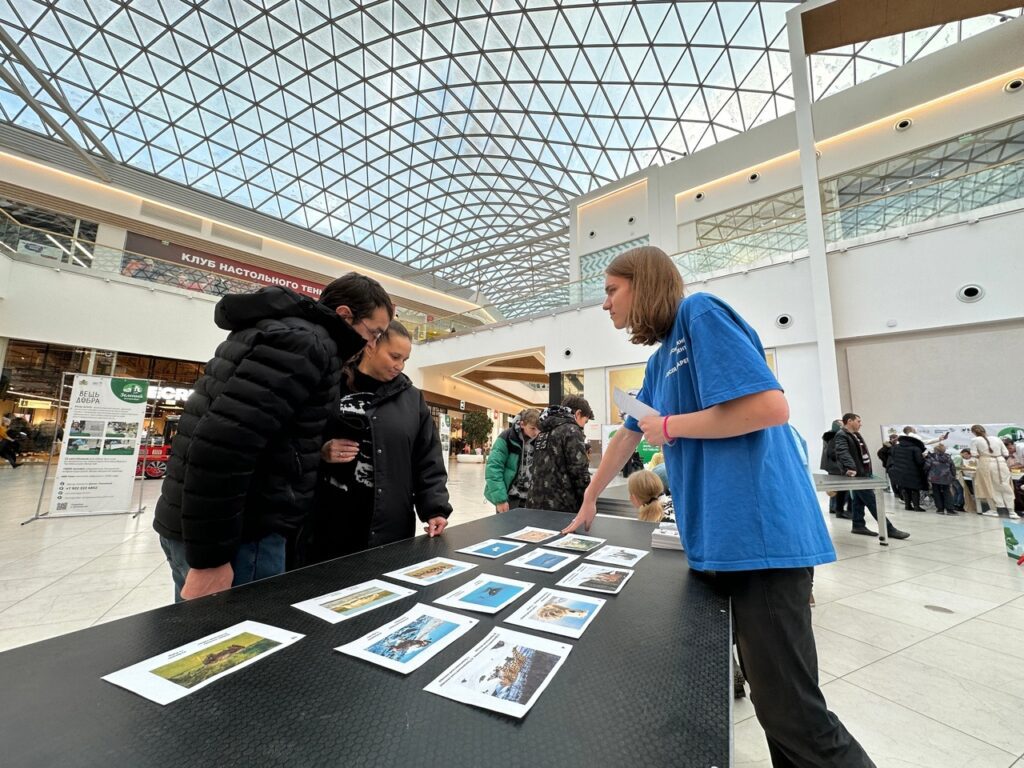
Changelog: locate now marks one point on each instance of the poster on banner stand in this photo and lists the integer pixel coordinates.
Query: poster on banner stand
(104, 423)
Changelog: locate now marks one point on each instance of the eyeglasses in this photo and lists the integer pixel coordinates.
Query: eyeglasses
(372, 335)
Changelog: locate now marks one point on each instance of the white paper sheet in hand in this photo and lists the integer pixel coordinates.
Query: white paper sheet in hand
(630, 406)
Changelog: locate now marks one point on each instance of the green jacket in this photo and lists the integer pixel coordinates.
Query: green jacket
(502, 466)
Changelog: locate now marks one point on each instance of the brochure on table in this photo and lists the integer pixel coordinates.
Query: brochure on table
(411, 640)
(546, 560)
(617, 555)
(506, 672)
(353, 601)
(430, 571)
(563, 613)
(597, 578)
(531, 535)
(486, 594)
(492, 548)
(177, 673)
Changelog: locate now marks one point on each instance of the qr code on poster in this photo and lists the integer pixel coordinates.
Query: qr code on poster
(61, 506)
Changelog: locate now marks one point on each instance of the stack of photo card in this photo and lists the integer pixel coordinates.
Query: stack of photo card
(577, 543)
(486, 594)
(617, 555)
(174, 674)
(543, 560)
(597, 578)
(506, 672)
(353, 601)
(431, 571)
(492, 548)
(531, 535)
(562, 613)
(411, 640)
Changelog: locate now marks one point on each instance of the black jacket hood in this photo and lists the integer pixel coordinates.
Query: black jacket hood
(243, 310)
(555, 416)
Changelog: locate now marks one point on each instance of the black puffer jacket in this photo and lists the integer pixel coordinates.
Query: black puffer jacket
(408, 475)
(560, 463)
(906, 464)
(244, 462)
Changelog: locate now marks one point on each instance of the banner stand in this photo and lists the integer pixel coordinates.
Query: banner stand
(63, 405)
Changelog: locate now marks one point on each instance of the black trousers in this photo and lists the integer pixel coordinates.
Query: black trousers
(9, 451)
(772, 620)
(911, 498)
(943, 496)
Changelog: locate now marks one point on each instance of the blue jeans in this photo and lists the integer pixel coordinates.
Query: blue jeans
(253, 561)
(958, 494)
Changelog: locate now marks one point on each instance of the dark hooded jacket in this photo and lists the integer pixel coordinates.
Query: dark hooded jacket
(829, 460)
(244, 462)
(409, 476)
(560, 464)
(906, 464)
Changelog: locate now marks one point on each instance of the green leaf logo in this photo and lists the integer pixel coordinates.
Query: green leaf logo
(130, 390)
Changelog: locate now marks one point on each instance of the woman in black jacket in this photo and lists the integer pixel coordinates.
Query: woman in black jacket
(906, 465)
(381, 460)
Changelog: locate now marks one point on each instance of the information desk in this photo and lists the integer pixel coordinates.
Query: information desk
(826, 483)
(648, 684)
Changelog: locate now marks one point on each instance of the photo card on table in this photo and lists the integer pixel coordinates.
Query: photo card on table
(353, 601)
(617, 555)
(597, 578)
(576, 543)
(430, 571)
(485, 593)
(545, 560)
(531, 535)
(492, 548)
(176, 673)
(411, 640)
(563, 613)
(506, 672)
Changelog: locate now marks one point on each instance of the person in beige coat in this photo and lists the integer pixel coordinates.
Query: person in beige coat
(992, 478)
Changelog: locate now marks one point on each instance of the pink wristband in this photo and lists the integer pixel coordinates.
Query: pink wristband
(664, 430)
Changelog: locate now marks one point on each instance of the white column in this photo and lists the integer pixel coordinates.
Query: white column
(823, 326)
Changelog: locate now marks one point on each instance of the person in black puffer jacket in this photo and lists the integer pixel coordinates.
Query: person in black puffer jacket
(561, 467)
(906, 462)
(382, 465)
(243, 465)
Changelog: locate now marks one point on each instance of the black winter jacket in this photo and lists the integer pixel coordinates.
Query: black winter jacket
(560, 464)
(848, 454)
(243, 464)
(408, 475)
(906, 464)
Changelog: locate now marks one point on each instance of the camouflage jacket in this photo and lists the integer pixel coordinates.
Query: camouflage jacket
(560, 471)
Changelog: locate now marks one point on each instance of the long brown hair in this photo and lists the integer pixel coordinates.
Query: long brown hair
(657, 289)
(979, 431)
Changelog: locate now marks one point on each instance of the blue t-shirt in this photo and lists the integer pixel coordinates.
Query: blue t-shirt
(742, 503)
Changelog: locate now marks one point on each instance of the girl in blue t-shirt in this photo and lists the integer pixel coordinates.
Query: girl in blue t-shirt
(745, 506)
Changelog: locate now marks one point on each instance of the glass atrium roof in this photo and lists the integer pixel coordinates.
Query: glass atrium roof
(448, 135)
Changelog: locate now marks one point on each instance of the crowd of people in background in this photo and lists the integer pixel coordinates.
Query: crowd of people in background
(915, 465)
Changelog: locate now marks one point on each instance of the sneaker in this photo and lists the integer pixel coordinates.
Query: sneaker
(863, 531)
(844, 516)
(952, 512)
(897, 534)
(918, 509)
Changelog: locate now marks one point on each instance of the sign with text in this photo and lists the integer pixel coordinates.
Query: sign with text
(96, 471)
(208, 262)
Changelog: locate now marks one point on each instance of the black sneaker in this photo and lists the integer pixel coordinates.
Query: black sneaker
(897, 534)
(863, 531)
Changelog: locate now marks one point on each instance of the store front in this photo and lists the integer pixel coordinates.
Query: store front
(31, 389)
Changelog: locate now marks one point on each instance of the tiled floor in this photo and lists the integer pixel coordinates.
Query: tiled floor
(917, 642)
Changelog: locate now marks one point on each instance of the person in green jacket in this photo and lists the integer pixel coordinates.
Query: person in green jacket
(508, 466)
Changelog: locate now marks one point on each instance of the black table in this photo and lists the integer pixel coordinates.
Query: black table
(648, 684)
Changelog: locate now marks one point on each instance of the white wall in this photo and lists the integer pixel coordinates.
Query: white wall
(41, 303)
